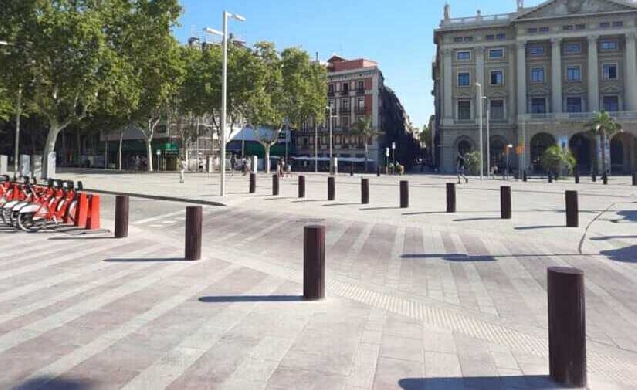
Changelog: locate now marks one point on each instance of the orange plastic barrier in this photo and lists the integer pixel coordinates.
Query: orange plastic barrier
(82, 211)
(93, 222)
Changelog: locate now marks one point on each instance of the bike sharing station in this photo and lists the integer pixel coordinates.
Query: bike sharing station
(58, 205)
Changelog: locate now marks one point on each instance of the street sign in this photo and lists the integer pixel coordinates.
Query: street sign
(387, 152)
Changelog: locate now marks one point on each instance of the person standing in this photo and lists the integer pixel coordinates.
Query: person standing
(460, 161)
(233, 161)
(182, 170)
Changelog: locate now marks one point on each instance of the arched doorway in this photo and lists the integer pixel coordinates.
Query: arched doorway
(583, 148)
(539, 143)
(497, 151)
(464, 146)
(622, 153)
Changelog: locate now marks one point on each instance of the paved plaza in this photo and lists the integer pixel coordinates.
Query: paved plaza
(416, 298)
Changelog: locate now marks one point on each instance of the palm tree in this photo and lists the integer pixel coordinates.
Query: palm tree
(364, 128)
(603, 125)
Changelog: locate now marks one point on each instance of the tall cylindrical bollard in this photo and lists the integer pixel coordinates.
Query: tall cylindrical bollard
(594, 176)
(121, 216)
(331, 188)
(314, 263)
(253, 183)
(404, 194)
(605, 178)
(635, 179)
(550, 177)
(576, 173)
(451, 197)
(194, 217)
(567, 326)
(378, 170)
(572, 209)
(524, 177)
(505, 202)
(365, 191)
(301, 186)
(275, 185)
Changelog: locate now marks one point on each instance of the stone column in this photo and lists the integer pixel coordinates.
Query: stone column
(521, 63)
(509, 79)
(556, 75)
(480, 80)
(448, 79)
(631, 72)
(593, 75)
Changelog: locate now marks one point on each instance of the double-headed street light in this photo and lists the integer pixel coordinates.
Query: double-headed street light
(479, 99)
(224, 91)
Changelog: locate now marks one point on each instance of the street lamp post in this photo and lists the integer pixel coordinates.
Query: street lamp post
(509, 146)
(315, 147)
(393, 154)
(224, 92)
(331, 146)
(488, 143)
(479, 99)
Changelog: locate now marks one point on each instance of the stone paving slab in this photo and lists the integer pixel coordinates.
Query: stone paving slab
(423, 301)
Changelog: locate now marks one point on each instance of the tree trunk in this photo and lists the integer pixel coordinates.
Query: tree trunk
(79, 147)
(149, 150)
(267, 157)
(49, 147)
(366, 153)
(603, 137)
(119, 151)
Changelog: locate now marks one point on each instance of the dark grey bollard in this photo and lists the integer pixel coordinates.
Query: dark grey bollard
(301, 186)
(572, 209)
(194, 218)
(576, 173)
(365, 191)
(451, 197)
(253, 183)
(505, 202)
(378, 170)
(331, 188)
(550, 177)
(594, 176)
(605, 178)
(121, 216)
(524, 177)
(275, 185)
(635, 179)
(404, 194)
(567, 326)
(314, 263)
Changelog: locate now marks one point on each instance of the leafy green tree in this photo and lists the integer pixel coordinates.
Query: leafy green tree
(364, 128)
(604, 126)
(555, 158)
(426, 136)
(472, 162)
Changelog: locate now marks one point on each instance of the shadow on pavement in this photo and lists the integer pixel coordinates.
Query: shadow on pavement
(49, 383)
(340, 204)
(147, 260)
(380, 208)
(252, 298)
(536, 382)
(448, 257)
(280, 198)
(478, 219)
(538, 227)
(607, 238)
(80, 238)
(626, 254)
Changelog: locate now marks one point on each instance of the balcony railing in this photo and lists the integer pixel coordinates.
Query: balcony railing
(345, 93)
(360, 91)
(473, 20)
(345, 110)
(576, 116)
(361, 110)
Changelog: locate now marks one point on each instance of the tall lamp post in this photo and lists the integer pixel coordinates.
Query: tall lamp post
(315, 147)
(224, 92)
(488, 141)
(479, 100)
(331, 110)
(393, 155)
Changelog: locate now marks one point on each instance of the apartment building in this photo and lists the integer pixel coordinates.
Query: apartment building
(543, 71)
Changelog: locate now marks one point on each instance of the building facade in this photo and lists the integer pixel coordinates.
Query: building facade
(542, 72)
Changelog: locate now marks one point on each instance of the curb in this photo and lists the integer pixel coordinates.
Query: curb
(158, 197)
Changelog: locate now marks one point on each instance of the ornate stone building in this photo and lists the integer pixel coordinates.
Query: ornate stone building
(542, 72)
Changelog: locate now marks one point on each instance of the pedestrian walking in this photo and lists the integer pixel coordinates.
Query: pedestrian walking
(233, 162)
(182, 170)
(460, 163)
(244, 166)
(289, 169)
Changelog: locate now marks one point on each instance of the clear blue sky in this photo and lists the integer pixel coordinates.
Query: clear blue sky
(397, 34)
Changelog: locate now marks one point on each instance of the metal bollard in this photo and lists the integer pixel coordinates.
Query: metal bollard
(635, 179)
(404, 194)
(253, 183)
(365, 191)
(524, 177)
(572, 209)
(505, 202)
(605, 178)
(451, 197)
(576, 173)
(301, 186)
(275, 185)
(314, 262)
(121, 216)
(194, 218)
(594, 176)
(378, 170)
(567, 326)
(550, 177)
(331, 188)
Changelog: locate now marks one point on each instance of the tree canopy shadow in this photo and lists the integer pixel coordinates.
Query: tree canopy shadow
(536, 382)
(626, 254)
(146, 260)
(251, 298)
(59, 383)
